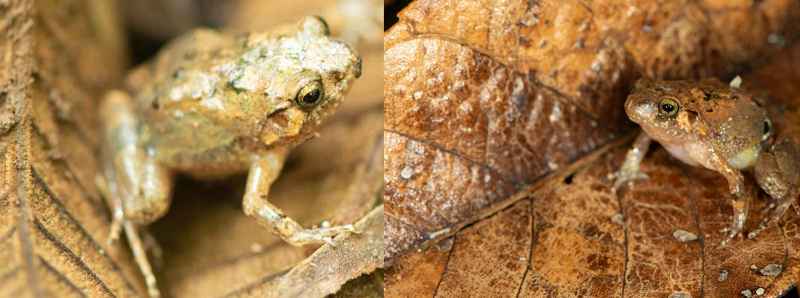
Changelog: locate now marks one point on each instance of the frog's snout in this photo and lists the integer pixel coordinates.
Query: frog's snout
(640, 110)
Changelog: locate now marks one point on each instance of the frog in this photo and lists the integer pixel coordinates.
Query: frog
(210, 105)
(720, 127)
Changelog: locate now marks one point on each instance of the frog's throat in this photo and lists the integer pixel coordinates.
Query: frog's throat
(289, 129)
(745, 158)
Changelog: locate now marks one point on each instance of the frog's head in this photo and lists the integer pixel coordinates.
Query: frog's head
(658, 109)
(301, 76)
(706, 112)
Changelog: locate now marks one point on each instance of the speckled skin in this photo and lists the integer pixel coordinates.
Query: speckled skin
(716, 126)
(212, 104)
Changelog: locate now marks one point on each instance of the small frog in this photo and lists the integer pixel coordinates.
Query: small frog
(211, 105)
(721, 128)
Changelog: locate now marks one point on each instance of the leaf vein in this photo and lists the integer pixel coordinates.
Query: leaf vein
(96, 246)
(60, 276)
(73, 258)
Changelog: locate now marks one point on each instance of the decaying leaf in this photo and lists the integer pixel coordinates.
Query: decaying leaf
(569, 235)
(484, 98)
(366, 286)
(56, 58)
(324, 272)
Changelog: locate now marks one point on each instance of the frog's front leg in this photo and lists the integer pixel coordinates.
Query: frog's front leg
(741, 201)
(777, 172)
(263, 172)
(630, 167)
(136, 186)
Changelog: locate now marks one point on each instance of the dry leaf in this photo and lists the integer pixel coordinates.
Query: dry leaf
(56, 57)
(366, 286)
(485, 98)
(569, 235)
(324, 272)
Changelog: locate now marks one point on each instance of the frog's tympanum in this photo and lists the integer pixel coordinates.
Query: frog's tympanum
(721, 128)
(211, 105)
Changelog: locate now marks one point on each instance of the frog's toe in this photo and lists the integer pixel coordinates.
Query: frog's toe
(777, 212)
(732, 233)
(350, 229)
(753, 233)
(320, 235)
(328, 240)
(116, 226)
(624, 177)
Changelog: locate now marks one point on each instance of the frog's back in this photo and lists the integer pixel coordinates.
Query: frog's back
(211, 101)
(735, 120)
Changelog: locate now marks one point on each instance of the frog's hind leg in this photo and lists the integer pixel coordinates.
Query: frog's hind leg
(774, 216)
(778, 174)
(263, 172)
(140, 255)
(132, 234)
(136, 187)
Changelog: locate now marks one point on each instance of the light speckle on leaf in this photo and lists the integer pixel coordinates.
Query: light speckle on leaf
(771, 270)
(723, 275)
(407, 172)
(680, 295)
(684, 236)
(747, 293)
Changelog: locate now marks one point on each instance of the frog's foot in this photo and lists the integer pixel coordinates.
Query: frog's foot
(624, 176)
(319, 235)
(118, 217)
(117, 213)
(732, 232)
(774, 216)
(140, 255)
(154, 252)
(739, 218)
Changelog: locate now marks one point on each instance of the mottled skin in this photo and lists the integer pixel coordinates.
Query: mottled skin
(721, 128)
(210, 105)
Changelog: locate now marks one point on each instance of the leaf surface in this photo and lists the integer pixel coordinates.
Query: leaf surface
(503, 121)
(484, 98)
(52, 222)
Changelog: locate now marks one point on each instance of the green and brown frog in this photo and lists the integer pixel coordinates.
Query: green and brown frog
(212, 104)
(719, 127)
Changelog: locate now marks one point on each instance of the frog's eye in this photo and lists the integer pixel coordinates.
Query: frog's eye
(668, 106)
(767, 130)
(310, 95)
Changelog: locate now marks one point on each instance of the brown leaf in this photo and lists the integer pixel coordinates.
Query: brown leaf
(366, 286)
(571, 236)
(52, 222)
(324, 272)
(485, 98)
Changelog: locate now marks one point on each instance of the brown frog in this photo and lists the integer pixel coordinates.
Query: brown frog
(721, 128)
(211, 105)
